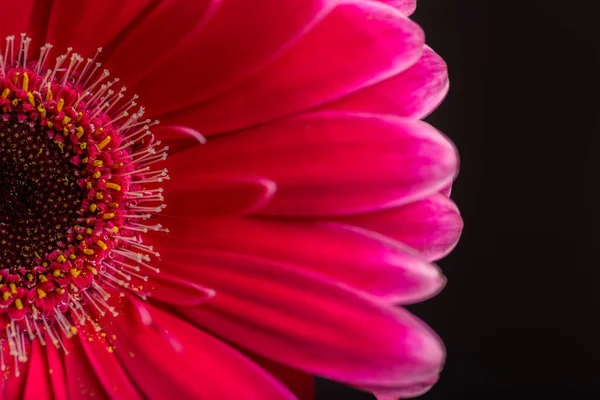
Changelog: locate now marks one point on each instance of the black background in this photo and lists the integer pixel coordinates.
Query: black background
(520, 313)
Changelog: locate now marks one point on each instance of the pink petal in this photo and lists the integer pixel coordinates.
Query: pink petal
(301, 320)
(170, 289)
(330, 163)
(82, 382)
(15, 383)
(240, 39)
(357, 45)
(405, 6)
(413, 93)
(87, 25)
(16, 15)
(188, 196)
(363, 260)
(163, 29)
(58, 374)
(106, 366)
(168, 358)
(432, 225)
(37, 386)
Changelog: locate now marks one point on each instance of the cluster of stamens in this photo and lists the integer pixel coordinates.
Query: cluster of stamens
(78, 186)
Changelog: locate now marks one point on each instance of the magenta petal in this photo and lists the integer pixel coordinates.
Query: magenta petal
(331, 163)
(189, 196)
(405, 6)
(309, 323)
(87, 25)
(413, 93)
(170, 289)
(165, 27)
(106, 366)
(38, 384)
(363, 260)
(15, 18)
(322, 67)
(243, 36)
(83, 384)
(58, 375)
(169, 358)
(14, 384)
(432, 225)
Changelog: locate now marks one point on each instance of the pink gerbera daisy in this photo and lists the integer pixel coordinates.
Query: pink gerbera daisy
(136, 261)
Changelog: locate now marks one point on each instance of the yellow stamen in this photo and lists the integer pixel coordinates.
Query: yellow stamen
(5, 93)
(108, 216)
(98, 163)
(56, 273)
(42, 110)
(60, 105)
(73, 330)
(13, 288)
(89, 252)
(93, 207)
(25, 82)
(6, 295)
(43, 278)
(41, 293)
(61, 259)
(75, 272)
(30, 98)
(102, 245)
(104, 143)
(114, 186)
(92, 269)
(19, 304)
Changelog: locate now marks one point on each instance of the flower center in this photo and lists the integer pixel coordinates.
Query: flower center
(39, 195)
(78, 190)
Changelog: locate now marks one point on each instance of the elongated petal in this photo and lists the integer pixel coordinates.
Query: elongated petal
(87, 25)
(163, 29)
(188, 196)
(405, 6)
(331, 163)
(16, 15)
(84, 384)
(357, 45)
(304, 321)
(413, 93)
(169, 358)
(58, 373)
(243, 36)
(363, 260)
(38, 385)
(107, 368)
(432, 225)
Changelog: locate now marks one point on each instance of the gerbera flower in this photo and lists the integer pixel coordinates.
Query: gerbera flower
(282, 248)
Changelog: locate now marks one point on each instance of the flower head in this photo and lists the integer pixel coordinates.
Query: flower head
(314, 210)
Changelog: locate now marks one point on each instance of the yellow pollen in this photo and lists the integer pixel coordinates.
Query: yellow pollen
(97, 174)
(114, 186)
(6, 295)
(56, 273)
(104, 143)
(79, 237)
(61, 259)
(13, 288)
(43, 278)
(15, 102)
(75, 272)
(60, 105)
(30, 98)
(19, 304)
(89, 231)
(59, 290)
(73, 330)
(99, 196)
(114, 229)
(49, 95)
(93, 207)
(108, 216)
(42, 110)
(89, 252)
(72, 256)
(66, 120)
(88, 185)
(30, 277)
(83, 145)
(92, 269)
(25, 82)
(50, 124)
(5, 93)
(98, 163)
(102, 245)
(79, 133)
(41, 293)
